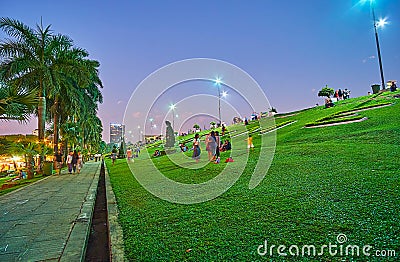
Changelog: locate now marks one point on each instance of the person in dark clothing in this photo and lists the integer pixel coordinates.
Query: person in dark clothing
(75, 158)
(226, 146)
(340, 93)
(58, 158)
(393, 87)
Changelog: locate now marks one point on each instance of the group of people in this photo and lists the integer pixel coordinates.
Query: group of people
(213, 147)
(132, 153)
(342, 95)
(328, 103)
(74, 161)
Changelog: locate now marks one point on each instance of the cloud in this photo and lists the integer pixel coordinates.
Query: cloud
(136, 114)
(368, 58)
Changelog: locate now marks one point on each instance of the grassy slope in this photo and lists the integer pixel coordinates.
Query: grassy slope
(322, 182)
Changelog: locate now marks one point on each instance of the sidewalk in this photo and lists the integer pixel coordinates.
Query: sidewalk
(49, 220)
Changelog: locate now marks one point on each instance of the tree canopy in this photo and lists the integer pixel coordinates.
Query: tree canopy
(326, 91)
(45, 73)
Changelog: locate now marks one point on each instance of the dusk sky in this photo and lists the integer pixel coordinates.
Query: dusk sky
(292, 48)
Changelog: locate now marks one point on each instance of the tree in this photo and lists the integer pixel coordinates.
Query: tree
(196, 126)
(77, 96)
(121, 153)
(29, 150)
(212, 124)
(273, 110)
(16, 103)
(326, 91)
(64, 82)
(28, 59)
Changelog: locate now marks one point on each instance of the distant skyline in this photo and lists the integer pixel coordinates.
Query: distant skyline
(291, 48)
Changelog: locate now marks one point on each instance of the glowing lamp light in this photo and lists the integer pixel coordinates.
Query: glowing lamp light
(224, 93)
(382, 22)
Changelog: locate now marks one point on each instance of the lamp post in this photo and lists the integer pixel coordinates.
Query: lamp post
(224, 94)
(139, 136)
(377, 24)
(218, 83)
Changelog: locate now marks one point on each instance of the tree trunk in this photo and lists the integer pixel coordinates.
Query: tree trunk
(29, 167)
(56, 127)
(41, 124)
(41, 117)
(55, 131)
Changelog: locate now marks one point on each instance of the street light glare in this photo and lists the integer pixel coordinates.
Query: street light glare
(224, 93)
(172, 106)
(365, 1)
(382, 22)
(218, 81)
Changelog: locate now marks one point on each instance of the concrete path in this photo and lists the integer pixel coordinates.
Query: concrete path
(49, 220)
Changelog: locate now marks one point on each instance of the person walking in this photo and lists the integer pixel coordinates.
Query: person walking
(114, 155)
(196, 148)
(69, 162)
(75, 159)
(212, 146)
(250, 143)
(129, 154)
(58, 158)
(218, 142)
(79, 163)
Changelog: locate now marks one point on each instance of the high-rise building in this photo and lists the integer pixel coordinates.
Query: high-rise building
(117, 132)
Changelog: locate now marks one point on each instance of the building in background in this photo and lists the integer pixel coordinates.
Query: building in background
(117, 132)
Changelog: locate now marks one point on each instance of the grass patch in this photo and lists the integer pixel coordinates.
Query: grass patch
(322, 182)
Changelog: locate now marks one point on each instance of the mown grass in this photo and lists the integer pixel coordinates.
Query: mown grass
(322, 182)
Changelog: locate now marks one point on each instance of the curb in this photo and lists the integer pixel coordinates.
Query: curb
(115, 230)
(75, 249)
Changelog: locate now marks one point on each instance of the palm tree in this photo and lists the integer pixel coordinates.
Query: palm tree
(16, 103)
(30, 59)
(67, 83)
(29, 150)
(78, 94)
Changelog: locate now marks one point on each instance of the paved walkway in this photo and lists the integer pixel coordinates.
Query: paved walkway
(49, 220)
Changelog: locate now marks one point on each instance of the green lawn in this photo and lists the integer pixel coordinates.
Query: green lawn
(322, 182)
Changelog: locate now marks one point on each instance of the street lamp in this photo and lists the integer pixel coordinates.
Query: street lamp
(218, 83)
(378, 24)
(139, 132)
(172, 107)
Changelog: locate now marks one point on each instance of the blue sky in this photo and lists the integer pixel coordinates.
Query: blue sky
(291, 48)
